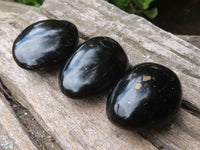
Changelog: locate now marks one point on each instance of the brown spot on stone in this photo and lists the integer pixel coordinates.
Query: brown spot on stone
(146, 78)
(134, 74)
(90, 45)
(138, 86)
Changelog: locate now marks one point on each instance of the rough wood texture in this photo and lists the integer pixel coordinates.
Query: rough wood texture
(182, 134)
(12, 136)
(10, 10)
(195, 40)
(83, 124)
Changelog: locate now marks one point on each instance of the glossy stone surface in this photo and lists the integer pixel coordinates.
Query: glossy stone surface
(149, 95)
(94, 68)
(45, 44)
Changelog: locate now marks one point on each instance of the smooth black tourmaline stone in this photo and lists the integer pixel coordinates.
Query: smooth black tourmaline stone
(94, 68)
(149, 95)
(45, 44)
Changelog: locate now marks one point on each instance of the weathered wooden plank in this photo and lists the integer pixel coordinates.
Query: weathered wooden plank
(194, 39)
(12, 136)
(75, 124)
(10, 10)
(27, 98)
(183, 133)
(78, 121)
(142, 41)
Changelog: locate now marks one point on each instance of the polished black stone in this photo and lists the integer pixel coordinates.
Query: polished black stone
(149, 95)
(45, 44)
(94, 68)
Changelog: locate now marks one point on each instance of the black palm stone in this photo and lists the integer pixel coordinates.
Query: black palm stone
(149, 95)
(94, 68)
(45, 44)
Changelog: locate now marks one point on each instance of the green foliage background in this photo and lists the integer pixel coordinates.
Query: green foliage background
(140, 7)
(36, 3)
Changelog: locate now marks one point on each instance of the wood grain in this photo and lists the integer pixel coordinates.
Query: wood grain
(82, 124)
(12, 135)
(183, 133)
(10, 10)
(195, 40)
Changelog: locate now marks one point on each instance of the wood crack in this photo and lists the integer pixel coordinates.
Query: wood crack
(158, 144)
(31, 127)
(191, 108)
